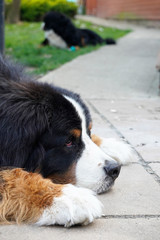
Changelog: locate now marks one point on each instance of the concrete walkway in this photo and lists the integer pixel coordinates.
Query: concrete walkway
(120, 85)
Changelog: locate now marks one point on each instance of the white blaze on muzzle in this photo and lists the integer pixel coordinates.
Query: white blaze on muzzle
(90, 172)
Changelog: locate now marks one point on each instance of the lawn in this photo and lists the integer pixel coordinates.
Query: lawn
(23, 44)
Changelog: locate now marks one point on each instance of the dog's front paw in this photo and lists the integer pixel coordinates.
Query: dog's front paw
(119, 150)
(74, 206)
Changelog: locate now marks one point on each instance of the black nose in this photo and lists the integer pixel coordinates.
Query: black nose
(112, 169)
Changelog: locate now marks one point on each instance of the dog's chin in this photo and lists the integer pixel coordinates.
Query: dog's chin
(105, 186)
(101, 186)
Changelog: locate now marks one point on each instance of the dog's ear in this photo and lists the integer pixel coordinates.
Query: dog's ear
(22, 124)
(35, 159)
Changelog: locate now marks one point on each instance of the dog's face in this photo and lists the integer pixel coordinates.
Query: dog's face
(54, 21)
(70, 154)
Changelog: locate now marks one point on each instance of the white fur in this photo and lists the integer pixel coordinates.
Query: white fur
(119, 150)
(90, 166)
(54, 39)
(75, 206)
(42, 25)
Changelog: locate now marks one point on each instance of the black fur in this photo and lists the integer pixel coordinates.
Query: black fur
(36, 123)
(73, 36)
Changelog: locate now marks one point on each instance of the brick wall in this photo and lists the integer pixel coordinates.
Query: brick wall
(124, 9)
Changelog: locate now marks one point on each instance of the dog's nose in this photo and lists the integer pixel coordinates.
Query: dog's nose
(112, 169)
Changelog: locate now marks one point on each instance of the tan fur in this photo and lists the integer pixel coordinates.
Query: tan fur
(83, 41)
(90, 126)
(97, 140)
(76, 132)
(25, 195)
(66, 177)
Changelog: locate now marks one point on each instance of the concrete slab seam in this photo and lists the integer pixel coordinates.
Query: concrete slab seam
(140, 159)
(138, 216)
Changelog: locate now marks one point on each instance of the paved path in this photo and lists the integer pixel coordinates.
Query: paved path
(120, 85)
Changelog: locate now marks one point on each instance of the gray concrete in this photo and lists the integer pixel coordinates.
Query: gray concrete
(108, 229)
(120, 85)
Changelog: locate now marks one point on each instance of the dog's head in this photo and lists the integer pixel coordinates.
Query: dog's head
(70, 154)
(54, 21)
(48, 130)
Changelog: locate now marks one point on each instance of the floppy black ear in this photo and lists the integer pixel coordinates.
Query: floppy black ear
(35, 159)
(21, 125)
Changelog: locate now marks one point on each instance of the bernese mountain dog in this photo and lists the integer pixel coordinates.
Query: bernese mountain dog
(50, 164)
(60, 32)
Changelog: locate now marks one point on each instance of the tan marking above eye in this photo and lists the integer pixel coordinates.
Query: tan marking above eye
(76, 132)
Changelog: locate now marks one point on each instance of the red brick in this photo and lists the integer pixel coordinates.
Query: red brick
(139, 9)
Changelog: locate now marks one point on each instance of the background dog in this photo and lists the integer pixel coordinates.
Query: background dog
(60, 32)
(47, 130)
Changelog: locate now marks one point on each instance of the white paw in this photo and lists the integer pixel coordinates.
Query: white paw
(119, 150)
(74, 206)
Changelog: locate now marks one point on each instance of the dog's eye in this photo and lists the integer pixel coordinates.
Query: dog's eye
(69, 143)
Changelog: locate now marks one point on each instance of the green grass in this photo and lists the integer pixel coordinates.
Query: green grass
(23, 44)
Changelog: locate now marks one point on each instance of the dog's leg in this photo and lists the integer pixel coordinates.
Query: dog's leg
(45, 42)
(29, 198)
(119, 150)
